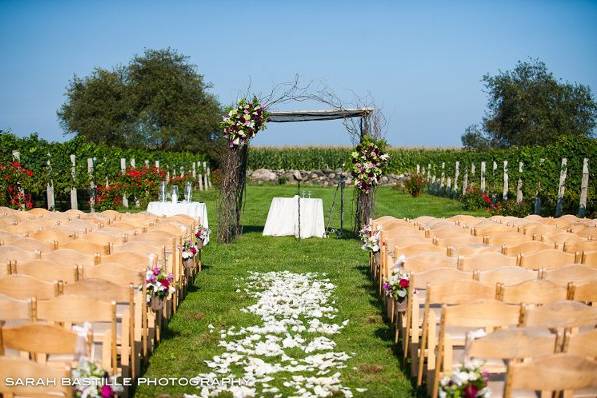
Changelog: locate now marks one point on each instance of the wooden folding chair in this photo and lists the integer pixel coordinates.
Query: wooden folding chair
(506, 275)
(538, 291)
(551, 258)
(585, 292)
(557, 372)
(528, 247)
(14, 310)
(561, 314)
(48, 270)
(487, 315)
(41, 341)
(55, 237)
(33, 245)
(70, 256)
(84, 246)
(576, 273)
(130, 307)
(71, 309)
(454, 292)
(485, 261)
(13, 253)
(24, 287)
(22, 369)
(589, 258)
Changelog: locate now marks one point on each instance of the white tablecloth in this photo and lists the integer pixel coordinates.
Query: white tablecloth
(282, 219)
(196, 210)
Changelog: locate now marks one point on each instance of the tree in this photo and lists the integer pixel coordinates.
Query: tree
(157, 101)
(528, 106)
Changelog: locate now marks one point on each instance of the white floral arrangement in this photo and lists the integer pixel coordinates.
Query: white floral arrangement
(369, 163)
(467, 381)
(189, 250)
(397, 285)
(91, 381)
(370, 237)
(202, 233)
(242, 122)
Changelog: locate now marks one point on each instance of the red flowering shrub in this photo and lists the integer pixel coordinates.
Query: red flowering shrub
(141, 183)
(14, 181)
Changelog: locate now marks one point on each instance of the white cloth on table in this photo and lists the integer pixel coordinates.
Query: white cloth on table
(282, 218)
(196, 210)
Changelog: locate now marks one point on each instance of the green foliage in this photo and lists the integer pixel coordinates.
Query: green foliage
(157, 101)
(472, 199)
(415, 184)
(36, 152)
(538, 177)
(529, 106)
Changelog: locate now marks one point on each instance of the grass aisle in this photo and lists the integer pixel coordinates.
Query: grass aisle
(187, 342)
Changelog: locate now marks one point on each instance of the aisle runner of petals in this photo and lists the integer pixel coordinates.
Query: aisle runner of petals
(290, 347)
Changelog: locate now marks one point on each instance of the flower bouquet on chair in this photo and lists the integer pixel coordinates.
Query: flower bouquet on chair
(159, 286)
(189, 252)
(370, 237)
(91, 381)
(202, 234)
(397, 288)
(467, 381)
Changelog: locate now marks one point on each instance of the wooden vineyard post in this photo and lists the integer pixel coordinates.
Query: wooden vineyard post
(194, 170)
(208, 172)
(505, 188)
(50, 187)
(206, 181)
(91, 184)
(429, 172)
(494, 177)
(465, 181)
(584, 187)
(562, 187)
(418, 168)
(456, 175)
(537, 209)
(157, 165)
(73, 191)
(483, 170)
(519, 185)
(125, 199)
(442, 182)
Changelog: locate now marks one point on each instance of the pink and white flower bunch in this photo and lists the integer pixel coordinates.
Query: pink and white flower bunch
(158, 282)
(369, 163)
(466, 381)
(370, 237)
(397, 285)
(202, 233)
(189, 250)
(242, 122)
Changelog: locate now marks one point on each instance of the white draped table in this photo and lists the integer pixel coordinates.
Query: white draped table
(197, 210)
(282, 218)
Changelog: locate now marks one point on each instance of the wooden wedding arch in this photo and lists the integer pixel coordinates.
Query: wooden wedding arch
(234, 167)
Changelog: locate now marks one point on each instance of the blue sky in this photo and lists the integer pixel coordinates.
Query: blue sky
(421, 61)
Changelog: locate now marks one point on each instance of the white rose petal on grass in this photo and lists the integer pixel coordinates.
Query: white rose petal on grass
(291, 308)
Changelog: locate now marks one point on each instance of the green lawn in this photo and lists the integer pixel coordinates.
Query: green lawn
(213, 300)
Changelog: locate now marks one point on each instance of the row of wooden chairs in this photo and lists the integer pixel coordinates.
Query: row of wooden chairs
(456, 263)
(81, 268)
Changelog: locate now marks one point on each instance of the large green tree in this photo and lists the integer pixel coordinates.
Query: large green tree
(158, 100)
(529, 106)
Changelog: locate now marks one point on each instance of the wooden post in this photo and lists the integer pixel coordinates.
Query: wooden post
(133, 164)
(562, 187)
(442, 182)
(494, 176)
(456, 175)
(483, 170)
(168, 175)
(429, 172)
(200, 180)
(449, 184)
(194, 170)
(182, 171)
(157, 164)
(472, 169)
(206, 181)
(505, 188)
(16, 155)
(50, 187)
(465, 181)
(91, 184)
(519, 185)
(418, 168)
(584, 187)
(125, 199)
(73, 191)
(146, 162)
(537, 198)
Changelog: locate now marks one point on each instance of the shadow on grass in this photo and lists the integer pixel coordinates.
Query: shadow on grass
(386, 332)
(252, 228)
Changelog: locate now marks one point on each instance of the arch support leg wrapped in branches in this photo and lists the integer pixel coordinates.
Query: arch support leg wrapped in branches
(234, 164)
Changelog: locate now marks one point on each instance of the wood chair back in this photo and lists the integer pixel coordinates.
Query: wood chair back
(485, 261)
(49, 270)
(12, 309)
(23, 287)
(506, 275)
(14, 368)
(538, 291)
(557, 372)
(576, 273)
(551, 258)
(561, 314)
